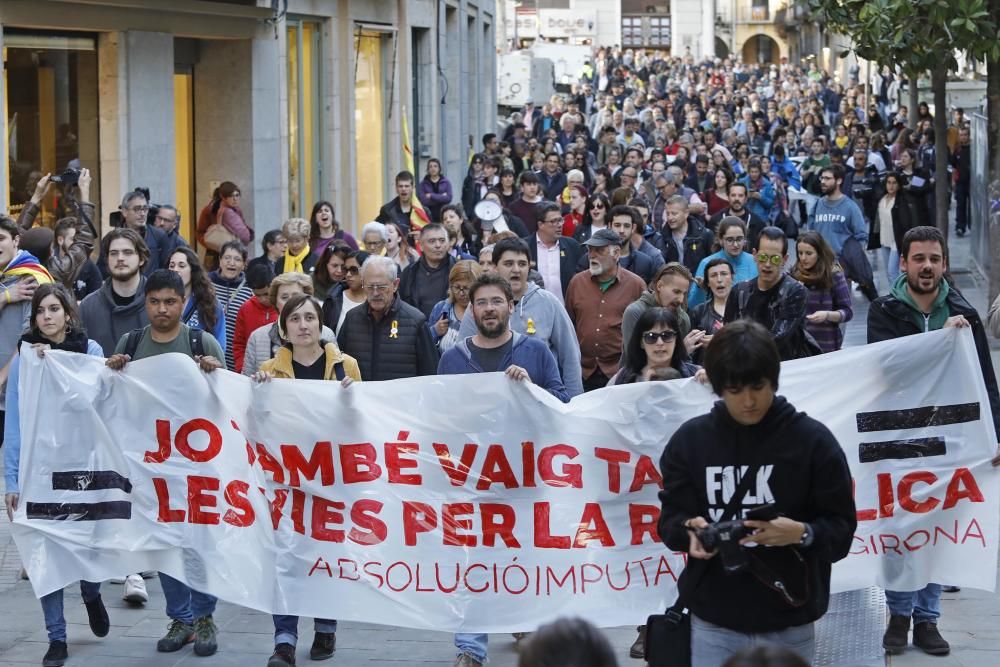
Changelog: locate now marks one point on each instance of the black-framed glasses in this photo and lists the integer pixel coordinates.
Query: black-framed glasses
(734, 240)
(650, 337)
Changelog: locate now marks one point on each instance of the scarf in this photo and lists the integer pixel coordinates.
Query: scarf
(25, 264)
(293, 263)
(75, 341)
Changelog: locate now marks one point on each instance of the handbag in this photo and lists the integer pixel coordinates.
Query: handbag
(668, 635)
(216, 235)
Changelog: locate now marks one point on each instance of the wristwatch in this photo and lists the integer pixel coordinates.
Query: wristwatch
(807, 535)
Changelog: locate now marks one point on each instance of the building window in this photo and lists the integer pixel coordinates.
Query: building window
(631, 31)
(659, 31)
(369, 124)
(646, 32)
(50, 114)
(305, 119)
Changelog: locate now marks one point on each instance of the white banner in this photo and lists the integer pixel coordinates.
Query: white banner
(467, 502)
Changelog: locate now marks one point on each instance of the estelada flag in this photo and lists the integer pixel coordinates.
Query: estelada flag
(418, 215)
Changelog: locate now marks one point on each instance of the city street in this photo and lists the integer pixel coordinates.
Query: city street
(849, 635)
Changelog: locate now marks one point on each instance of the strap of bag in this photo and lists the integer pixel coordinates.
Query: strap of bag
(675, 612)
(132, 340)
(338, 369)
(197, 342)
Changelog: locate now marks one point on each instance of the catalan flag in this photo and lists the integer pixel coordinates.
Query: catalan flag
(26, 264)
(418, 215)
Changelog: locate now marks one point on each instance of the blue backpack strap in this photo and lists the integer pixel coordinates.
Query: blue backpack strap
(338, 369)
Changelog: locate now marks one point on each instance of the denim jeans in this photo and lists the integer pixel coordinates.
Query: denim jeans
(185, 604)
(473, 644)
(286, 628)
(923, 605)
(52, 609)
(712, 645)
(890, 257)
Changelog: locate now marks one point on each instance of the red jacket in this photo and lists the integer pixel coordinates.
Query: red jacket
(251, 316)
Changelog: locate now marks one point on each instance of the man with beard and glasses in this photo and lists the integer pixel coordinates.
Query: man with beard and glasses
(596, 300)
(922, 300)
(838, 217)
(495, 348)
(738, 209)
(120, 305)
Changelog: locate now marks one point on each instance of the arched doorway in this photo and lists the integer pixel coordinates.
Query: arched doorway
(721, 48)
(761, 49)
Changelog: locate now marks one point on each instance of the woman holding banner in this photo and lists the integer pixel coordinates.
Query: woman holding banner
(306, 356)
(54, 325)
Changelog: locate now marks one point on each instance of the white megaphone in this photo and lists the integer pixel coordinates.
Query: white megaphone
(490, 216)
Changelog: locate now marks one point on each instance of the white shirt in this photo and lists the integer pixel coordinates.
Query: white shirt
(347, 307)
(886, 237)
(548, 267)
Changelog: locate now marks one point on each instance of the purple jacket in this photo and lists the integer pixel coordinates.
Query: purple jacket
(828, 334)
(434, 196)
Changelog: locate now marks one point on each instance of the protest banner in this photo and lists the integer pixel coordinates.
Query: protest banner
(468, 503)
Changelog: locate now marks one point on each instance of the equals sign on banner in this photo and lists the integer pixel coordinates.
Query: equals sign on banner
(83, 481)
(911, 448)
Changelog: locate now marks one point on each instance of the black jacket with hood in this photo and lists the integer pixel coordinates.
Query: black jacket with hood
(803, 472)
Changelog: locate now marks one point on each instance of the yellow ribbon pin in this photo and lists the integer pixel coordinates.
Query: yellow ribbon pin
(394, 331)
(531, 327)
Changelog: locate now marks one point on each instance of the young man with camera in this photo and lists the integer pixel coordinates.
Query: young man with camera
(759, 496)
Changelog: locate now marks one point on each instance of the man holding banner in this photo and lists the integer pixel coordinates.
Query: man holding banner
(921, 300)
(772, 477)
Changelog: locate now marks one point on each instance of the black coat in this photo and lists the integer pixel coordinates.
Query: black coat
(570, 253)
(888, 318)
(787, 313)
(384, 354)
(420, 295)
(697, 245)
(393, 212)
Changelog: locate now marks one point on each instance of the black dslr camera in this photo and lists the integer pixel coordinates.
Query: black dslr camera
(69, 178)
(725, 536)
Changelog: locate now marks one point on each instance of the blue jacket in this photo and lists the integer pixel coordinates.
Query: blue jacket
(760, 207)
(12, 426)
(530, 354)
(192, 319)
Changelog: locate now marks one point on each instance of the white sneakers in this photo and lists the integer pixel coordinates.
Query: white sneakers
(135, 590)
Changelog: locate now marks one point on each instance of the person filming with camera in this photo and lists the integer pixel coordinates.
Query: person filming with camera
(759, 496)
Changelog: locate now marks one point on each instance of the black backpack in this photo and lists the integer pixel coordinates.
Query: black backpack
(134, 337)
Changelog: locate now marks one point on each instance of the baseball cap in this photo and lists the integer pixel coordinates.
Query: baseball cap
(603, 237)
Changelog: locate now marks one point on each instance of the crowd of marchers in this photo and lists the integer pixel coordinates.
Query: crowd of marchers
(663, 219)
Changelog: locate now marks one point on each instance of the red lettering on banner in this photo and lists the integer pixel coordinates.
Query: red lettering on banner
(457, 474)
(340, 566)
(593, 527)
(614, 458)
(962, 485)
(325, 512)
(452, 523)
(498, 521)
(276, 505)
(165, 514)
(395, 462)
(643, 520)
(645, 473)
(298, 511)
(270, 464)
(528, 464)
(437, 579)
(364, 515)
(572, 473)
(497, 470)
(543, 538)
(466, 578)
(417, 518)
(357, 462)
(977, 534)
(886, 496)
(374, 575)
(198, 500)
(320, 461)
(241, 515)
(906, 484)
(321, 564)
(584, 579)
(664, 569)
(163, 443)
(182, 441)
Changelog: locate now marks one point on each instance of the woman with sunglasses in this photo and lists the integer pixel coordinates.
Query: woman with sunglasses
(446, 316)
(337, 304)
(654, 352)
(595, 216)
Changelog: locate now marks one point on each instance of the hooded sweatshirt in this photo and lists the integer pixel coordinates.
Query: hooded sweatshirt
(106, 322)
(803, 472)
(939, 308)
(539, 315)
(530, 354)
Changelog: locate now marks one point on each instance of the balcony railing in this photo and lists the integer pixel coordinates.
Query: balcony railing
(753, 14)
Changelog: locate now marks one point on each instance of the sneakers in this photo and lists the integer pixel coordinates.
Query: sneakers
(206, 641)
(135, 590)
(97, 615)
(894, 640)
(178, 635)
(927, 638)
(324, 644)
(283, 656)
(56, 655)
(638, 649)
(466, 660)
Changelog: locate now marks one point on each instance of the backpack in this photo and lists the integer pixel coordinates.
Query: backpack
(134, 337)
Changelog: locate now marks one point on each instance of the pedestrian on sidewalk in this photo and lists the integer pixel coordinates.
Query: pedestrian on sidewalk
(921, 300)
(55, 325)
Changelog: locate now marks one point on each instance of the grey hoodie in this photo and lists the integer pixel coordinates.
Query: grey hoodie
(551, 325)
(107, 322)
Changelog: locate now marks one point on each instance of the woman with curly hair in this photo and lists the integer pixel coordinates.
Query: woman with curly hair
(201, 310)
